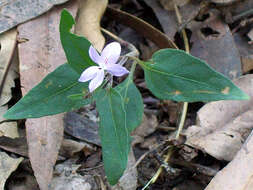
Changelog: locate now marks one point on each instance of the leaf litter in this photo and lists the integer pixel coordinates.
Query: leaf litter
(209, 143)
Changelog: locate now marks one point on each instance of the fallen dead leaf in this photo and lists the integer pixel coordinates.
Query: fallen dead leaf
(237, 175)
(211, 41)
(168, 18)
(44, 135)
(88, 21)
(147, 127)
(8, 44)
(8, 129)
(14, 12)
(82, 128)
(7, 166)
(67, 178)
(223, 126)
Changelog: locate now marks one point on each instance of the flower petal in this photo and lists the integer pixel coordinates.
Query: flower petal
(94, 55)
(88, 74)
(111, 53)
(117, 70)
(97, 81)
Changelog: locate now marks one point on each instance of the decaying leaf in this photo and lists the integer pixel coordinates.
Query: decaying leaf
(8, 72)
(88, 21)
(211, 41)
(237, 175)
(223, 126)
(8, 44)
(67, 178)
(82, 128)
(38, 56)
(14, 12)
(166, 15)
(8, 129)
(148, 126)
(7, 166)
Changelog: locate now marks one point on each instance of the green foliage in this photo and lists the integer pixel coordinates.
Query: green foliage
(175, 75)
(51, 96)
(75, 47)
(132, 102)
(113, 132)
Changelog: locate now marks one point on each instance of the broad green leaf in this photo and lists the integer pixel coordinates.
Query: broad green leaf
(76, 47)
(51, 96)
(176, 75)
(113, 132)
(132, 102)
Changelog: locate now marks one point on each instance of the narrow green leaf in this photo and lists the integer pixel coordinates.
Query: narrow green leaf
(76, 47)
(176, 75)
(113, 132)
(132, 102)
(51, 95)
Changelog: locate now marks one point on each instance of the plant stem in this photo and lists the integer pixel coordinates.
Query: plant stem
(185, 106)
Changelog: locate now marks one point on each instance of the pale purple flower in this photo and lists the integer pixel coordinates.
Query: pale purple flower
(106, 62)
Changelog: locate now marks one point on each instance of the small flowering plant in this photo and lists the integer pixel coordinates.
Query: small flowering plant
(87, 77)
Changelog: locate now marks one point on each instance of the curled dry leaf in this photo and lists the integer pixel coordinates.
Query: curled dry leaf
(7, 44)
(237, 175)
(88, 21)
(38, 56)
(7, 166)
(223, 126)
(8, 72)
(18, 11)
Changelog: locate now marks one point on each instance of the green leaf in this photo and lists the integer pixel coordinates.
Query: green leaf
(76, 47)
(132, 102)
(51, 96)
(113, 132)
(176, 75)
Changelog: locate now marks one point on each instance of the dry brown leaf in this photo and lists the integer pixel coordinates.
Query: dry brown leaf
(237, 175)
(223, 126)
(38, 56)
(88, 21)
(8, 44)
(7, 166)
(148, 126)
(8, 129)
(211, 41)
(14, 12)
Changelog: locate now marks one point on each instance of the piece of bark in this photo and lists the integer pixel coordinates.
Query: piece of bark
(39, 55)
